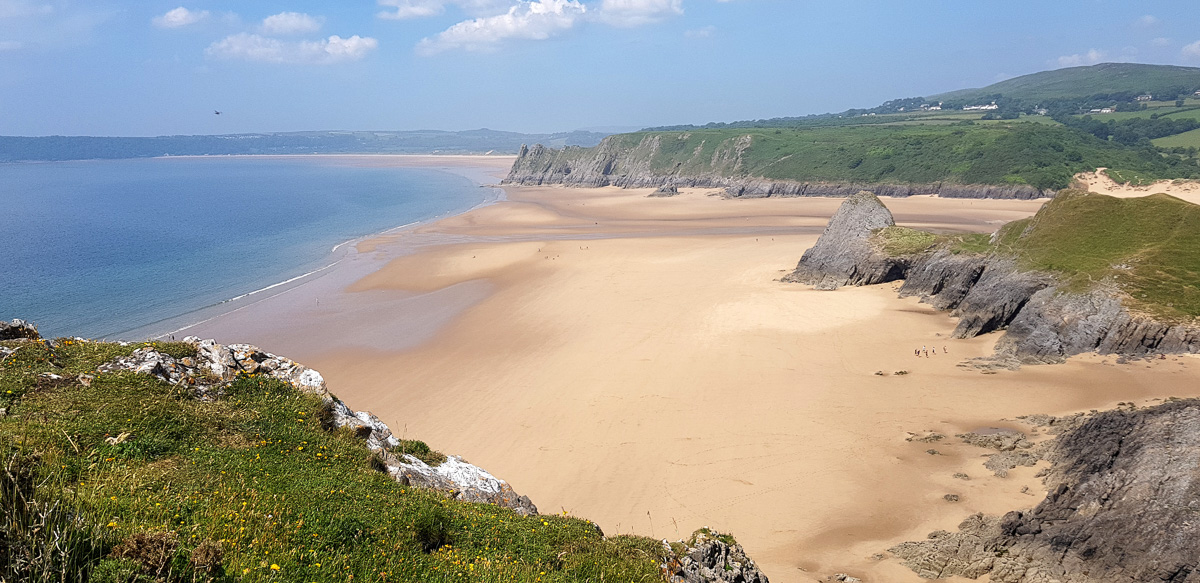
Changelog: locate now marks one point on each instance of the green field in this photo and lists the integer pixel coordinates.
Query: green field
(128, 479)
(1185, 140)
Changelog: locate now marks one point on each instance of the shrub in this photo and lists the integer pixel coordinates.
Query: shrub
(432, 528)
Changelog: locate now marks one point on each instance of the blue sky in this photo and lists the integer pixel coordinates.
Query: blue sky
(105, 67)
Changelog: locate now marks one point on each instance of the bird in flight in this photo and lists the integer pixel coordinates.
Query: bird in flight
(215, 112)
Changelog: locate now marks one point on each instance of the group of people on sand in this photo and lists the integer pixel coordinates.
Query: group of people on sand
(925, 350)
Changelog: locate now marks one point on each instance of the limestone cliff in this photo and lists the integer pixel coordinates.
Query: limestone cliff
(650, 163)
(1043, 321)
(1121, 506)
(844, 254)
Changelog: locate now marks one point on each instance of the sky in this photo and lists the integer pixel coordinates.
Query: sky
(123, 68)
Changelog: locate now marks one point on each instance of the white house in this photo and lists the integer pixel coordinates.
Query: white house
(1146, 97)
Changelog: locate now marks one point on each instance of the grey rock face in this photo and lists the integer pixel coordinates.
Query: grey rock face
(943, 279)
(613, 164)
(665, 191)
(708, 559)
(996, 297)
(1121, 509)
(1053, 326)
(18, 329)
(844, 255)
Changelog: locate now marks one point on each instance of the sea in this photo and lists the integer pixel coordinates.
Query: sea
(99, 249)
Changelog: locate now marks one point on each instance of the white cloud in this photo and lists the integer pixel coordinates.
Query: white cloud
(23, 8)
(638, 12)
(528, 19)
(1091, 57)
(290, 23)
(1146, 21)
(252, 47)
(11, 45)
(405, 9)
(179, 17)
(1192, 51)
(702, 32)
(1161, 41)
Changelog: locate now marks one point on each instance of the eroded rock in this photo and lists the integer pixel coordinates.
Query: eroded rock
(843, 255)
(17, 330)
(709, 557)
(1121, 507)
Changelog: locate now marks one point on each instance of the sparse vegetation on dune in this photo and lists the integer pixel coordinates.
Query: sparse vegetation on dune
(121, 477)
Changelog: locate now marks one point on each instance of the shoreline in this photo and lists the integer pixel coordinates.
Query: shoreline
(635, 361)
(468, 166)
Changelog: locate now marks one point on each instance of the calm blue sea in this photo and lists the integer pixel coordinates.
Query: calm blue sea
(97, 248)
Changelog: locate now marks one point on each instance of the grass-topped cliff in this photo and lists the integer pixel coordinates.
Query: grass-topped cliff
(1087, 273)
(1148, 247)
(118, 476)
(1033, 155)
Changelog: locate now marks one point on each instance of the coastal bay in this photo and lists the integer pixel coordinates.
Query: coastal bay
(636, 361)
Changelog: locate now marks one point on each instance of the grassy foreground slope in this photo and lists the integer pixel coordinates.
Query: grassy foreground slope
(1040, 155)
(122, 477)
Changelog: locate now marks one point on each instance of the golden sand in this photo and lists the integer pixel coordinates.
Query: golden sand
(636, 361)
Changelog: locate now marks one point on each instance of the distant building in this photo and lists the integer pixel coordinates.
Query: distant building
(1042, 111)
(1146, 97)
(987, 107)
(1197, 94)
(1103, 110)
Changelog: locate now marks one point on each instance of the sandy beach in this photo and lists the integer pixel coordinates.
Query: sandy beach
(636, 361)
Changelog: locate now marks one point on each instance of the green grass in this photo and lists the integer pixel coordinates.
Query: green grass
(1186, 140)
(1148, 246)
(1074, 82)
(898, 241)
(1045, 156)
(254, 475)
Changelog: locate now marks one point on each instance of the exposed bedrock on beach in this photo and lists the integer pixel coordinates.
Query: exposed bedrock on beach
(1121, 507)
(1042, 322)
(612, 164)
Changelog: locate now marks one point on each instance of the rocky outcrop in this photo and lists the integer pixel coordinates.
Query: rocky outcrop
(844, 254)
(709, 557)
(619, 162)
(1055, 325)
(216, 366)
(665, 191)
(464, 481)
(1121, 509)
(1042, 322)
(17, 330)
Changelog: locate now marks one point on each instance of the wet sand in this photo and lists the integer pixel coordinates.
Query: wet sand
(636, 361)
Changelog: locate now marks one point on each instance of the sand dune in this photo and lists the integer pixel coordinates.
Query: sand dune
(637, 362)
(1099, 182)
